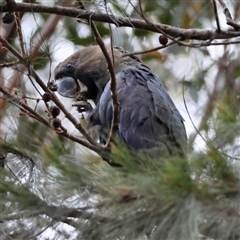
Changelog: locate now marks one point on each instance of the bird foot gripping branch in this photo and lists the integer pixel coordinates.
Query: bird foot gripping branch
(148, 118)
(82, 104)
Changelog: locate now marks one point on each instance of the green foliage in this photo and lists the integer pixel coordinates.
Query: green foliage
(73, 32)
(153, 196)
(30, 133)
(42, 60)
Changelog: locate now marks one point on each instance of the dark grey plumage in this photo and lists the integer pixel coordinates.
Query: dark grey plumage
(148, 118)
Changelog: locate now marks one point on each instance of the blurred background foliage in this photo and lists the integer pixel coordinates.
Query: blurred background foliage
(53, 188)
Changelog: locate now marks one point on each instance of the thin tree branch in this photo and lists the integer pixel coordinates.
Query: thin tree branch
(10, 64)
(46, 32)
(38, 40)
(33, 73)
(113, 84)
(13, 51)
(189, 115)
(25, 108)
(226, 10)
(174, 32)
(151, 50)
(57, 213)
(216, 15)
(19, 31)
(193, 45)
(228, 16)
(71, 223)
(91, 144)
(40, 232)
(236, 10)
(67, 114)
(95, 148)
(151, 24)
(33, 114)
(209, 106)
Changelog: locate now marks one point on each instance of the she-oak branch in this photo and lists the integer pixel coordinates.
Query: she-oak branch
(178, 34)
(175, 32)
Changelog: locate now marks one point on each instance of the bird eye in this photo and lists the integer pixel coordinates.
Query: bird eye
(69, 66)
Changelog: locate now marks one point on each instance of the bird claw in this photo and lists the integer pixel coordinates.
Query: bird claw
(80, 97)
(82, 106)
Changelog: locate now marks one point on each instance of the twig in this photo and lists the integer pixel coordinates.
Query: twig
(225, 9)
(236, 10)
(224, 43)
(40, 232)
(216, 15)
(34, 85)
(95, 148)
(209, 106)
(194, 45)
(189, 115)
(29, 214)
(56, 213)
(19, 31)
(67, 114)
(12, 172)
(71, 223)
(113, 85)
(9, 38)
(13, 51)
(11, 64)
(32, 113)
(177, 40)
(151, 50)
(33, 73)
(46, 32)
(18, 102)
(228, 16)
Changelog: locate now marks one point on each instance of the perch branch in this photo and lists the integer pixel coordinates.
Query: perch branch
(113, 84)
(175, 32)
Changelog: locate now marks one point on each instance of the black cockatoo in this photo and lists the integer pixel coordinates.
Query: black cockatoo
(148, 118)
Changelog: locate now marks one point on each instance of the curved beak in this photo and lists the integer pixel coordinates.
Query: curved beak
(67, 87)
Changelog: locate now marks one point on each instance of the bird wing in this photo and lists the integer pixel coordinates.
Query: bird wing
(148, 117)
